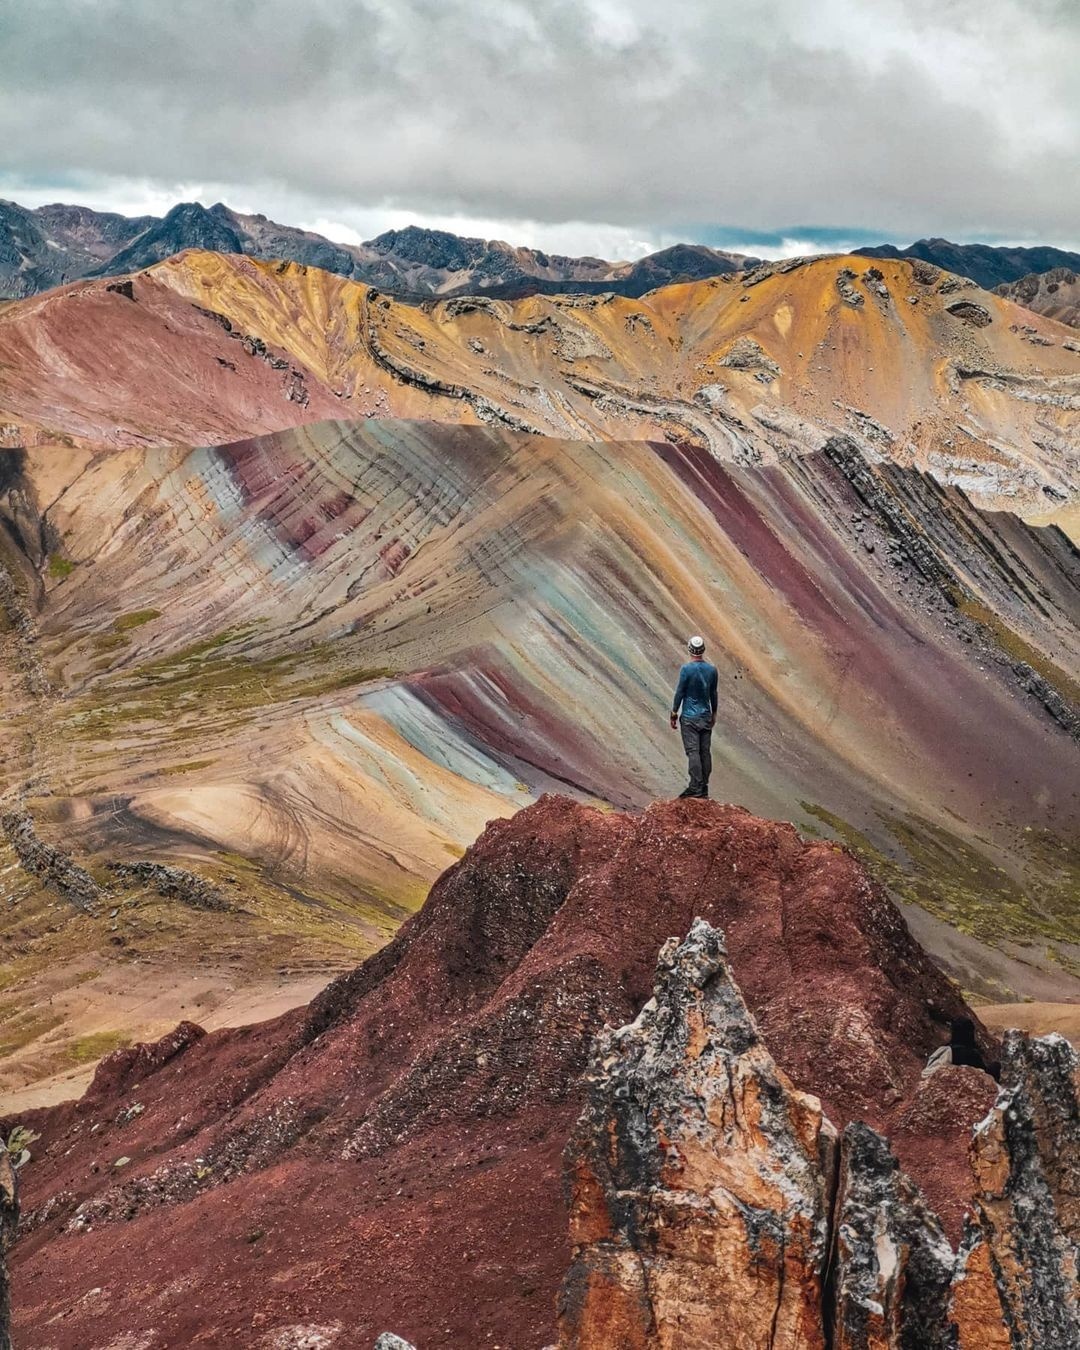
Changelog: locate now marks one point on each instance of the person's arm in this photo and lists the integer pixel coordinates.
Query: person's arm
(680, 691)
(714, 696)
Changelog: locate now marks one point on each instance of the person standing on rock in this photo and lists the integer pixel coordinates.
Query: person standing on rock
(696, 695)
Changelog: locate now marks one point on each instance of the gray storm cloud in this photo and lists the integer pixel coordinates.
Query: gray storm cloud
(903, 116)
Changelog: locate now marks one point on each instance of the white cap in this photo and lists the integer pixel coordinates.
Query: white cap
(696, 645)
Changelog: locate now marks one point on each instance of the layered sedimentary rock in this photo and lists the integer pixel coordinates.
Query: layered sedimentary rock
(421, 1105)
(311, 666)
(701, 1179)
(1021, 1256)
(206, 348)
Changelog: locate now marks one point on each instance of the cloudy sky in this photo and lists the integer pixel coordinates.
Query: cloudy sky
(604, 126)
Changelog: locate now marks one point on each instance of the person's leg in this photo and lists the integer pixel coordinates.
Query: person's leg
(706, 760)
(692, 745)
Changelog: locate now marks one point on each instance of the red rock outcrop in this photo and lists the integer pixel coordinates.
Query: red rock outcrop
(701, 1179)
(421, 1104)
(932, 1137)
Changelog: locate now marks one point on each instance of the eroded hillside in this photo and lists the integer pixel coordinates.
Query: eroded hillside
(307, 668)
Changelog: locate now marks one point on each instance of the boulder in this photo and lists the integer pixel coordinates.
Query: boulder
(700, 1178)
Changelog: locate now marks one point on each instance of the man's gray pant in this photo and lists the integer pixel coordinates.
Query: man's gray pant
(696, 739)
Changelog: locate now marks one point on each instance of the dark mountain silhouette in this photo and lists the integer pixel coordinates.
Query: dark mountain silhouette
(43, 248)
(989, 264)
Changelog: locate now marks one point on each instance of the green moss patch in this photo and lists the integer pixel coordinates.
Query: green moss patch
(135, 619)
(60, 567)
(955, 881)
(18, 1031)
(1019, 650)
(110, 642)
(203, 681)
(190, 767)
(88, 1049)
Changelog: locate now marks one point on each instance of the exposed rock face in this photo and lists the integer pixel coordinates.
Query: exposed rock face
(51, 864)
(9, 1219)
(1021, 1253)
(893, 1262)
(848, 293)
(701, 1178)
(388, 1341)
(703, 1198)
(936, 1124)
(174, 883)
(746, 354)
(121, 1071)
(978, 316)
(1054, 295)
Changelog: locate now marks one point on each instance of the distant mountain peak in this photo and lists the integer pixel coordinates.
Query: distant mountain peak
(57, 243)
(988, 264)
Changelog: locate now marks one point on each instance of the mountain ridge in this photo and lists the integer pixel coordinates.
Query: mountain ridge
(918, 366)
(45, 246)
(989, 265)
(39, 250)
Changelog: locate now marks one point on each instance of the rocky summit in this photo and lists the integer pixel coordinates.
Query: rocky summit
(390, 1156)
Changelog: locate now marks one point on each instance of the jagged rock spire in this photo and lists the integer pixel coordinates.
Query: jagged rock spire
(703, 1204)
(700, 1178)
(1019, 1260)
(893, 1264)
(9, 1220)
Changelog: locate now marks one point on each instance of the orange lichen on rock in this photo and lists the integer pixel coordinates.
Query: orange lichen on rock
(1020, 1263)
